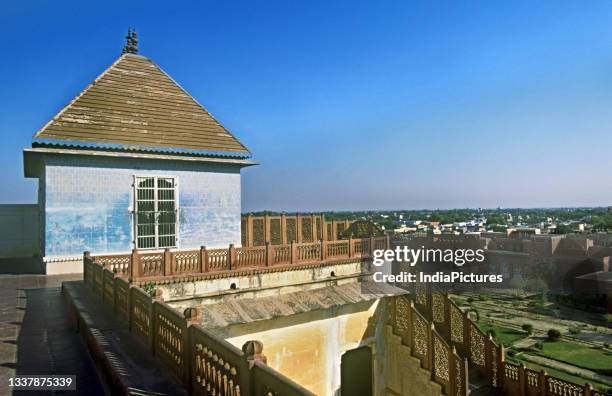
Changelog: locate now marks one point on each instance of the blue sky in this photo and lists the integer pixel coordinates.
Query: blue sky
(350, 105)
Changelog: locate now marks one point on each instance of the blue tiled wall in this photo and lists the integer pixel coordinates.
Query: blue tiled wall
(88, 201)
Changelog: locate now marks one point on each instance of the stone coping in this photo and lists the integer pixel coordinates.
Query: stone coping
(123, 363)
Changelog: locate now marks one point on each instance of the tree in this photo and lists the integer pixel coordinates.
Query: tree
(607, 318)
(496, 219)
(553, 334)
(564, 229)
(528, 328)
(498, 228)
(362, 229)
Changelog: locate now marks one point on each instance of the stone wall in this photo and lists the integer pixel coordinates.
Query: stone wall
(19, 234)
(211, 291)
(308, 347)
(88, 203)
(397, 372)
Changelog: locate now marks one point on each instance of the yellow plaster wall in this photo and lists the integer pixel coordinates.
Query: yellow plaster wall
(309, 350)
(396, 372)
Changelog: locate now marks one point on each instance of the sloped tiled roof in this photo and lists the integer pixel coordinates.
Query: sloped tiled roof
(135, 104)
(247, 310)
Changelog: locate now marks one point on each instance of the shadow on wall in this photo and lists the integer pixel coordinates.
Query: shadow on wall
(21, 265)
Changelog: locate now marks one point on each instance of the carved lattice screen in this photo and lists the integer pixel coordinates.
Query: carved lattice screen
(340, 230)
(258, 232)
(291, 230)
(243, 232)
(306, 229)
(275, 232)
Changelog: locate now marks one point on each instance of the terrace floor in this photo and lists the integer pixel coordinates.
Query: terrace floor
(36, 337)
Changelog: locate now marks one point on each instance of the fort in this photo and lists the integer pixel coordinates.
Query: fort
(140, 191)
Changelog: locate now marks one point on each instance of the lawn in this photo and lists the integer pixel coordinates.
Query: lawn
(503, 335)
(594, 359)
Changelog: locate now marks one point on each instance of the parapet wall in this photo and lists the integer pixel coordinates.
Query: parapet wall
(210, 291)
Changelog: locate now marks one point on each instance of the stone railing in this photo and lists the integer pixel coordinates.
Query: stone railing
(519, 380)
(437, 311)
(147, 266)
(447, 368)
(203, 363)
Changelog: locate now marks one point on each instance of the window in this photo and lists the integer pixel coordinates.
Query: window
(155, 212)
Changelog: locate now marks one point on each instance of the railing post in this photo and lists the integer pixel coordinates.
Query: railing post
(293, 252)
(351, 248)
(298, 227)
(167, 262)
(489, 358)
(115, 276)
(192, 316)
(249, 230)
(157, 296)
(501, 352)
(266, 221)
(466, 378)
(387, 241)
(86, 267)
(129, 299)
(452, 370)
(203, 259)
(231, 257)
(323, 250)
(283, 230)
(372, 246)
(447, 316)
(268, 254)
(134, 265)
(334, 230)
(521, 379)
(410, 321)
(253, 352)
(466, 335)
(542, 380)
(323, 228)
(313, 228)
(103, 295)
(430, 350)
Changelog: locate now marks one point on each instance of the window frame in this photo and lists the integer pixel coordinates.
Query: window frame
(155, 177)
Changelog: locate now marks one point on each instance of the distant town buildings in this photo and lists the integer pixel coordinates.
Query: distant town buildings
(576, 264)
(482, 224)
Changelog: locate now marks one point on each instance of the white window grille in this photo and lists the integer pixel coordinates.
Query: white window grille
(155, 212)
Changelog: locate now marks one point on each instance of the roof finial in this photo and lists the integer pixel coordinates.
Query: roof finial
(131, 42)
